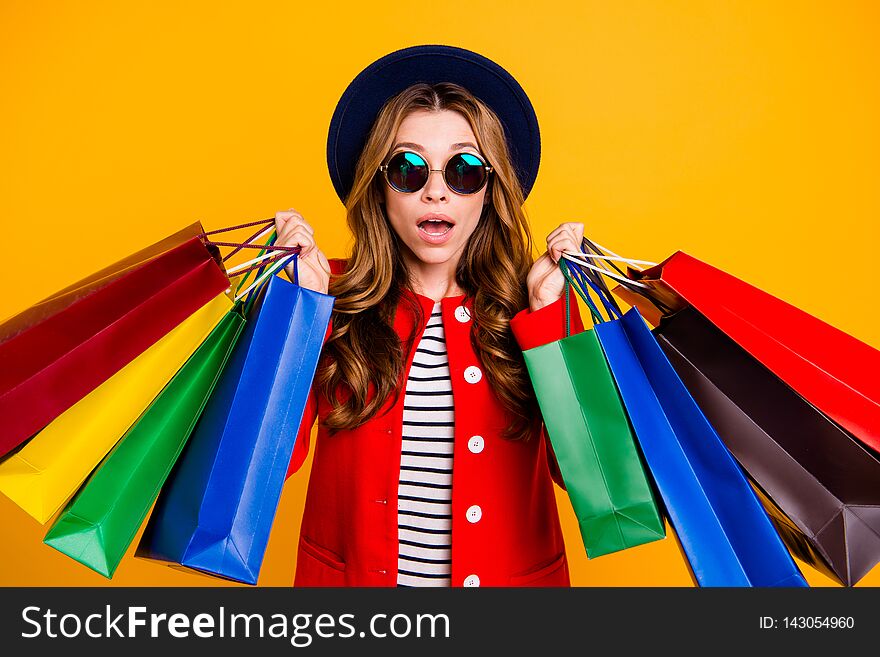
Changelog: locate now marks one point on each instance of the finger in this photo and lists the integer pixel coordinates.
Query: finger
(566, 236)
(554, 234)
(298, 238)
(285, 216)
(561, 233)
(575, 230)
(558, 251)
(578, 230)
(291, 223)
(561, 244)
(281, 219)
(297, 220)
(286, 233)
(570, 231)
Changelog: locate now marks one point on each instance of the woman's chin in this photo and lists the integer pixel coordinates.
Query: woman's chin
(434, 255)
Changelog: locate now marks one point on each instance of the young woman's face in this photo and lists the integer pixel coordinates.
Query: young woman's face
(436, 136)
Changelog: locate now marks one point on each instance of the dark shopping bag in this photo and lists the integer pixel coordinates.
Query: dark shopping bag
(56, 355)
(821, 486)
(594, 446)
(832, 370)
(725, 533)
(215, 512)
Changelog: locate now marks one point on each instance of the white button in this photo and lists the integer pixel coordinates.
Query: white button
(462, 314)
(473, 374)
(471, 580)
(474, 513)
(476, 444)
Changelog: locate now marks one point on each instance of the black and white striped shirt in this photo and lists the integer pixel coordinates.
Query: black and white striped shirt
(424, 508)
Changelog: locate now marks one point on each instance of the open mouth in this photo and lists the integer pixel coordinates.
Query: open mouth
(435, 227)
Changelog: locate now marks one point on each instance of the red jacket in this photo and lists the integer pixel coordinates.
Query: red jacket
(349, 526)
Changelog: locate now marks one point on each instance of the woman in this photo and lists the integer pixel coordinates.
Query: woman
(431, 468)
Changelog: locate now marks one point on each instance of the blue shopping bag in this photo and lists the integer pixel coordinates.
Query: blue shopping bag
(725, 533)
(216, 510)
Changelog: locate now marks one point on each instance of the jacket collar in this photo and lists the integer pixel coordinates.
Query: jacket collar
(404, 321)
(430, 302)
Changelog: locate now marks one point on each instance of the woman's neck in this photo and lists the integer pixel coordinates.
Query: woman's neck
(434, 281)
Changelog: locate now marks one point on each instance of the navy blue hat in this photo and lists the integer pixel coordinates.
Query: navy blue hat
(360, 104)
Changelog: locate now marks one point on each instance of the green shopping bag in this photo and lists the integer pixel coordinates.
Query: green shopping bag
(588, 428)
(101, 521)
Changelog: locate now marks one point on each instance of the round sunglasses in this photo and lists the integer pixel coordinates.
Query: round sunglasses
(464, 173)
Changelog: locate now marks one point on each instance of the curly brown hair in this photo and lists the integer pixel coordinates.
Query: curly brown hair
(363, 359)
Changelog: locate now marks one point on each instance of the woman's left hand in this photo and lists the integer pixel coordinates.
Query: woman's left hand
(545, 281)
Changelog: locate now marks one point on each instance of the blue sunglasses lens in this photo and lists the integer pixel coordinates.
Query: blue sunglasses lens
(407, 172)
(465, 173)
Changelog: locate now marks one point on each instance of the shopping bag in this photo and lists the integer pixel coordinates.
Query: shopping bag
(46, 472)
(100, 523)
(821, 486)
(50, 365)
(833, 370)
(215, 511)
(64, 298)
(727, 537)
(594, 446)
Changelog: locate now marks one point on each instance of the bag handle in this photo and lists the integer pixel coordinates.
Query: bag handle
(598, 279)
(636, 287)
(275, 253)
(600, 259)
(274, 264)
(271, 259)
(265, 227)
(576, 280)
(264, 276)
(582, 260)
(602, 292)
(572, 283)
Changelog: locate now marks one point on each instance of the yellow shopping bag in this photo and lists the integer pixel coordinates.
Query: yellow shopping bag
(50, 468)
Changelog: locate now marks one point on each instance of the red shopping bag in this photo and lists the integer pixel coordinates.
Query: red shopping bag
(834, 371)
(58, 351)
(12, 326)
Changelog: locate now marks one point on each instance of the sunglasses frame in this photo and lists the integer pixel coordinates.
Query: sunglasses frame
(384, 170)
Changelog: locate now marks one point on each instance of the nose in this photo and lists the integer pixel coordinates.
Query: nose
(435, 189)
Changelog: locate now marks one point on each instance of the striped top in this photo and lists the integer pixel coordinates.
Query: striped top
(424, 507)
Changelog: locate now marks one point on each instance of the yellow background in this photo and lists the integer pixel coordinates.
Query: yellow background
(745, 133)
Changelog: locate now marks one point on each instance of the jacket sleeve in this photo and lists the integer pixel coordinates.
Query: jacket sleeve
(310, 414)
(533, 329)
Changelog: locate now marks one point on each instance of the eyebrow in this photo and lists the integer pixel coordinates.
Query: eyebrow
(452, 147)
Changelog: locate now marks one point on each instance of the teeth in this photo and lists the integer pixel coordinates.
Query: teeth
(434, 234)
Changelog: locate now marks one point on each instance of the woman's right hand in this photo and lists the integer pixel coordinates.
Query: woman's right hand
(293, 230)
